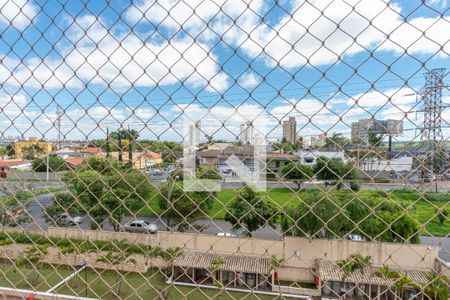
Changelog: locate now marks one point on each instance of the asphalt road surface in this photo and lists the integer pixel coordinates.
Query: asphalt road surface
(36, 206)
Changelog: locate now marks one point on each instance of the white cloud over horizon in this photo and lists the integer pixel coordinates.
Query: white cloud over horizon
(222, 121)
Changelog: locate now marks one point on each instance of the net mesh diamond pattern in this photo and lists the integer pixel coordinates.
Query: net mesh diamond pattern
(224, 149)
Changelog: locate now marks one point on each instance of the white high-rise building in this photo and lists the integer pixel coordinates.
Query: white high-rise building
(195, 133)
(247, 134)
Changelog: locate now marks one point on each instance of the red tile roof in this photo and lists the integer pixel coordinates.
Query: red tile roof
(74, 161)
(281, 155)
(93, 150)
(6, 163)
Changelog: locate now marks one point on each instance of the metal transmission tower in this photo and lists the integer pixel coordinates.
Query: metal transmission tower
(59, 115)
(432, 143)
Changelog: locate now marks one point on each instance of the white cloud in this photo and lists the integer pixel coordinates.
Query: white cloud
(249, 80)
(441, 3)
(318, 32)
(120, 61)
(12, 107)
(18, 13)
(387, 98)
(193, 16)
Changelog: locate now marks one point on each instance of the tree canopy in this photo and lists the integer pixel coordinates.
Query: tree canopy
(337, 215)
(248, 211)
(107, 188)
(297, 172)
(56, 164)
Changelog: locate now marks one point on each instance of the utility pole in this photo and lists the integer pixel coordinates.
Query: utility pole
(108, 154)
(59, 114)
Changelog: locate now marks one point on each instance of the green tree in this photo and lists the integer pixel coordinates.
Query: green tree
(208, 173)
(374, 139)
(62, 203)
(353, 263)
(297, 172)
(10, 150)
(275, 264)
(169, 255)
(386, 272)
(12, 212)
(284, 147)
(32, 152)
(215, 265)
(336, 142)
(183, 206)
(316, 217)
(249, 211)
(335, 169)
(107, 189)
(56, 164)
(402, 284)
(170, 151)
(114, 206)
(3, 151)
(437, 287)
(127, 134)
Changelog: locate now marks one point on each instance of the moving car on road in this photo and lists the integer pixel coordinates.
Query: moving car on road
(140, 226)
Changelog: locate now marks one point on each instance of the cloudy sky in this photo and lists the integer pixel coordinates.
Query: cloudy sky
(150, 64)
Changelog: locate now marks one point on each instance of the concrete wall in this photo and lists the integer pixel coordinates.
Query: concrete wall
(55, 257)
(300, 254)
(296, 290)
(442, 267)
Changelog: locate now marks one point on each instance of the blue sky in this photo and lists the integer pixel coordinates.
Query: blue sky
(148, 64)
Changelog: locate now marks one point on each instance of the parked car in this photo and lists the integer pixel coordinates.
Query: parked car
(447, 175)
(140, 226)
(66, 219)
(226, 234)
(429, 177)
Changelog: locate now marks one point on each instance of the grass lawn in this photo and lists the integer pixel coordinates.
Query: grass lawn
(101, 282)
(142, 286)
(424, 212)
(23, 277)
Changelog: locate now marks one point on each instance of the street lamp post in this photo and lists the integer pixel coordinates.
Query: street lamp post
(169, 196)
(48, 168)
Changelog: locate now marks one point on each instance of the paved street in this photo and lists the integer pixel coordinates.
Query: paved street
(442, 186)
(36, 207)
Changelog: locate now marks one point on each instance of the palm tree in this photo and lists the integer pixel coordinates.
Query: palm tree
(387, 273)
(348, 266)
(361, 261)
(276, 263)
(34, 255)
(116, 259)
(353, 263)
(402, 284)
(437, 288)
(169, 256)
(75, 250)
(215, 265)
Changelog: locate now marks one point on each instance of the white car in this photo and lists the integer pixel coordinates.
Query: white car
(226, 234)
(66, 219)
(140, 226)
